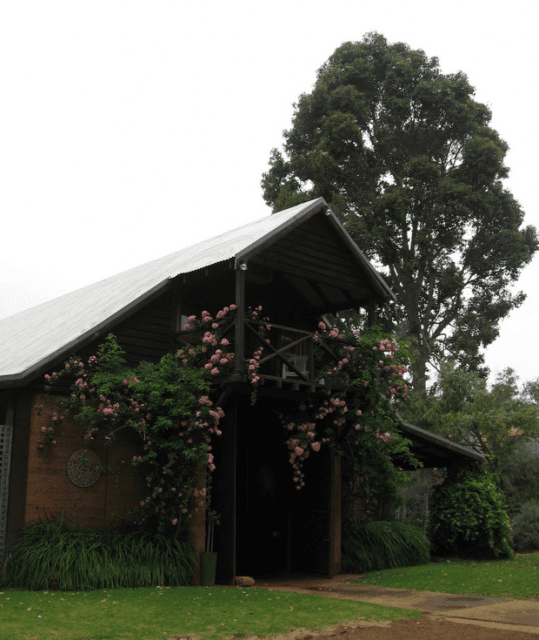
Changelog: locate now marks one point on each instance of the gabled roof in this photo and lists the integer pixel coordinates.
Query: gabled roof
(39, 337)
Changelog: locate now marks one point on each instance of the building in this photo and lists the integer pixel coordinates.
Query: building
(299, 264)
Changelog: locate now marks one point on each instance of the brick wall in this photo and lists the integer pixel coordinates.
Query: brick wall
(50, 492)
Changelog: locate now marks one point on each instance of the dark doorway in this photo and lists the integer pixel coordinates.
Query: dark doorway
(312, 516)
(267, 526)
(263, 489)
(278, 528)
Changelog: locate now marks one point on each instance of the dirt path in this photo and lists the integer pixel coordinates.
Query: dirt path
(432, 625)
(428, 627)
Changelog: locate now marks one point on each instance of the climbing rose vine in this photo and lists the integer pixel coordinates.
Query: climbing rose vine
(173, 405)
(355, 413)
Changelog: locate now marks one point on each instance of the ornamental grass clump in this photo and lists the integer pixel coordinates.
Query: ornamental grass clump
(373, 546)
(53, 554)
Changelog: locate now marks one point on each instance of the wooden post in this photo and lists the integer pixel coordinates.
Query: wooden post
(371, 310)
(224, 499)
(239, 347)
(310, 362)
(197, 523)
(336, 517)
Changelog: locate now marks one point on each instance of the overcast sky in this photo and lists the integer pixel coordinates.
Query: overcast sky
(131, 129)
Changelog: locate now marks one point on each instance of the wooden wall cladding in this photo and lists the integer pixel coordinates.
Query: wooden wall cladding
(147, 335)
(51, 493)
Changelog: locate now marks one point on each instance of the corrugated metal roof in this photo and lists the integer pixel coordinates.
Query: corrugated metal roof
(33, 337)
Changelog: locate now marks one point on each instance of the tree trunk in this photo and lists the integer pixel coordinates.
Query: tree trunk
(419, 368)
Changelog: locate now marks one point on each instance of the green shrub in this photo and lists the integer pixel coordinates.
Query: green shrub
(93, 559)
(525, 527)
(468, 517)
(373, 546)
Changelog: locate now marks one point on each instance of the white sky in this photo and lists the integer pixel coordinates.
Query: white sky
(130, 129)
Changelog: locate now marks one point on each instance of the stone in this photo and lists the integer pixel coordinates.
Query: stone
(244, 581)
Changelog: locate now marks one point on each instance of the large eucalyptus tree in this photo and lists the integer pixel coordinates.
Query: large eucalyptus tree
(406, 157)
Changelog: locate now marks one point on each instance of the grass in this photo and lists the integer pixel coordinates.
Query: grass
(170, 612)
(517, 578)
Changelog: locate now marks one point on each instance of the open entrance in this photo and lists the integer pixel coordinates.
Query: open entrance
(264, 492)
(267, 526)
(278, 528)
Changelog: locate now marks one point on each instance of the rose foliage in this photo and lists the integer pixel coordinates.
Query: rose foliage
(174, 407)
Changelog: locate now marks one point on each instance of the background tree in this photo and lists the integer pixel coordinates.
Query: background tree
(496, 422)
(405, 156)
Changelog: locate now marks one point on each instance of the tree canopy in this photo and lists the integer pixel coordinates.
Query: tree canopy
(495, 421)
(406, 157)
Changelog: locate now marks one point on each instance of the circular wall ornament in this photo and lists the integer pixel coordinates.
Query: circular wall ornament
(83, 468)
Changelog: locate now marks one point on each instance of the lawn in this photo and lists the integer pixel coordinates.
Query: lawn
(518, 578)
(163, 613)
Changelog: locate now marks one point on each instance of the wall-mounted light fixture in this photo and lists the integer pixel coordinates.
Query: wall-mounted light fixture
(243, 265)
